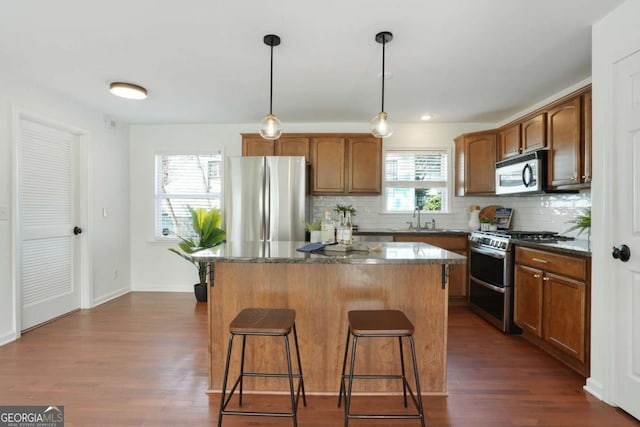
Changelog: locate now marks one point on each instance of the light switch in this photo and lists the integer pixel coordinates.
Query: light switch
(4, 213)
(105, 213)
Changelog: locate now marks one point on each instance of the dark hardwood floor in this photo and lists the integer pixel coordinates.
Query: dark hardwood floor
(141, 360)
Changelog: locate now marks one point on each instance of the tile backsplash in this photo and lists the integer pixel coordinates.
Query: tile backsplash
(548, 212)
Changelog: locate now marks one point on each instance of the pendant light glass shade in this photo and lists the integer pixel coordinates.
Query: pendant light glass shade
(380, 124)
(270, 127)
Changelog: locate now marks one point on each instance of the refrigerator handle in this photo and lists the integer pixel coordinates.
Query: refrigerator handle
(267, 203)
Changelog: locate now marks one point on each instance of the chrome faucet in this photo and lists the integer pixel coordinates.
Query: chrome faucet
(417, 209)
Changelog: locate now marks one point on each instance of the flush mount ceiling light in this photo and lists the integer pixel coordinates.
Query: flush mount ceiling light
(270, 127)
(380, 124)
(128, 90)
(426, 117)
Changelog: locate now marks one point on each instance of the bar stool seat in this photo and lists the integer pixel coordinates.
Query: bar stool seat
(263, 322)
(379, 323)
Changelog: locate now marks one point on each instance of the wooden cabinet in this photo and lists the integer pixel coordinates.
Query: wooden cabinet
(527, 310)
(528, 135)
(340, 163)
(364, 165)
(293, 145)
(328, 164)
(255, 145)
(587, 173)
(346, 164)
(509, 142)
(457, 272)
(563, 139)
(287, 145)
(552, 298)
(534, 134)
(476, 155)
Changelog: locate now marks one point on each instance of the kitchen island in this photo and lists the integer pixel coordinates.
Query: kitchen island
(322, 287)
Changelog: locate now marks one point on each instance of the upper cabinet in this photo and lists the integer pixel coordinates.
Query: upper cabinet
(527, 135)
(287, 145)
(255, 145)
(586, 147)
(291, 145)
(476, 154)
(346, 164)
(364, 161)
(563, 128)
(328, 165)
(349, 163)
(563, 137)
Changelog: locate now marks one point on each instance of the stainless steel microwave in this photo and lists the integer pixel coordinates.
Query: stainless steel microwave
(522, 174)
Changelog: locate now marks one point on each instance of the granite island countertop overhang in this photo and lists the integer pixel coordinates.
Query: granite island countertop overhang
(286, 253)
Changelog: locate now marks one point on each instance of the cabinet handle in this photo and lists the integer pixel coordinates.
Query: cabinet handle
(545, 278)
(574, 178)
(537, 276)
(543, 261)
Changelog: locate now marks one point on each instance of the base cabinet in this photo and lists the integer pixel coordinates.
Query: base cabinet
(457, 272)
(552, 299)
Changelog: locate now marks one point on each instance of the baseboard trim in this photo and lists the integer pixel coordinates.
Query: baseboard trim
(594, 388)
(7, 338)
(110, 296)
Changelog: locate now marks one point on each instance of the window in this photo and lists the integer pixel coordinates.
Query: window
(415, 178)
(183, 181)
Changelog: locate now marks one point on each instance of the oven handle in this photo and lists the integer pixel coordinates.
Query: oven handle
(488, 285)
(493, 254)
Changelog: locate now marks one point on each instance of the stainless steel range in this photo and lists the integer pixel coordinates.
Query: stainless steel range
(491, 259)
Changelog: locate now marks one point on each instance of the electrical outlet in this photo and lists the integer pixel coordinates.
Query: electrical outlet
(4, 213)
(105, 213)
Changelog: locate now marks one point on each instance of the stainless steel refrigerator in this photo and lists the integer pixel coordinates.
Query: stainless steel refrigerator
(265, 198)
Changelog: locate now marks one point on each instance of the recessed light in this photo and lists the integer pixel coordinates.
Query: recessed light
(128, 90)
(426, 117)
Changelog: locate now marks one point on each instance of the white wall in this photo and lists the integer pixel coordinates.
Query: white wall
(614, 36)
(109, 187)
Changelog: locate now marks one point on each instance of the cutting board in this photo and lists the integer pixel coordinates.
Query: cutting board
(489, 212)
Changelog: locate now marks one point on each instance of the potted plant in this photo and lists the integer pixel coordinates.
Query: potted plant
(314, 229)
(208, 234)
(582, 223)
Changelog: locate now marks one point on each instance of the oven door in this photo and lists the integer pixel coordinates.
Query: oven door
(490, 291)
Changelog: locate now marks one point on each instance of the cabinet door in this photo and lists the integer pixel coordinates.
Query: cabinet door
(459, 165)
(534, 135)
(565, 315)
(528, 299)
(458, 281)
(586, 147)
(563, 138)
(257, 146)
(293, 146)
(327, 158)
(480, 168)
(509, 142)
(365, 165)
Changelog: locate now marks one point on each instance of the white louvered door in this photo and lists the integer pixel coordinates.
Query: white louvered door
(47, 207)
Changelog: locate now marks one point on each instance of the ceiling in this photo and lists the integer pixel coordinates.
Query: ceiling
(204, 61)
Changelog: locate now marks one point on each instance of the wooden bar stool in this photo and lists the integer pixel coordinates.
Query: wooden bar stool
(379, 323)
(263, 322)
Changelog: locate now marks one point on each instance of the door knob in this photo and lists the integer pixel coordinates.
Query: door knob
(77, 230)
(622, 252)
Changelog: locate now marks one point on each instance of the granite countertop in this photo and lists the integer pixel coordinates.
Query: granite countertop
(405, 231)
(578, 247)
(285, 252)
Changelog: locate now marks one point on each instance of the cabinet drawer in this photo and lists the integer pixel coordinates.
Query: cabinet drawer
(565, 265)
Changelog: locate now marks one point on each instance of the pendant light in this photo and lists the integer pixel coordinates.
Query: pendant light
(380, 124)
(270, 127)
